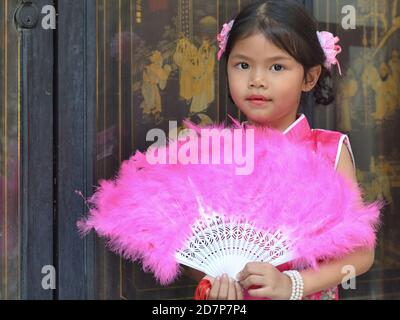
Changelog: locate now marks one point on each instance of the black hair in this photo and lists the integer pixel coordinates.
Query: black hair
(289, 27)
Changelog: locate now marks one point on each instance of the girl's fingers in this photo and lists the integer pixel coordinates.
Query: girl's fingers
(208, 294)
(258, 268)
(239, 291)
(259, 292)
(232, 290)
(253, 280)
(214, 289)
(224, 288)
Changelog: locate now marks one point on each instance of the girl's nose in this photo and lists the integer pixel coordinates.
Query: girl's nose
(257, 81)
(257, 84)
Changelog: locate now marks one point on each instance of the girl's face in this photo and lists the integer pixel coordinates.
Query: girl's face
(265, 82)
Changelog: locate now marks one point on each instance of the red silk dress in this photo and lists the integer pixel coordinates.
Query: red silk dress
(329, 144)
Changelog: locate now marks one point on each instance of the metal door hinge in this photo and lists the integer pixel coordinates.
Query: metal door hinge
(26, 15)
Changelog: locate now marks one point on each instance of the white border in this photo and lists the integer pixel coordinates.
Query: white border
(288, 128)
(294, 123)
(339, 150)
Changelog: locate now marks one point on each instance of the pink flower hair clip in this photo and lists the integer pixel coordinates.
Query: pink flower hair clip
(222, 38)
(331, 49)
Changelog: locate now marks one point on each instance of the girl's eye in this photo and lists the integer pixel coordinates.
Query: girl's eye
(242, 65)
(277, 67)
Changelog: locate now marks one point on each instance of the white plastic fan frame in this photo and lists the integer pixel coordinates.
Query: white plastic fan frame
(225, 245)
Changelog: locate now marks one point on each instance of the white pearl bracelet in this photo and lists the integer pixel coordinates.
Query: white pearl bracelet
(297, 284)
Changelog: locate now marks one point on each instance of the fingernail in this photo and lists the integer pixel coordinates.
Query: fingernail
(224, 276)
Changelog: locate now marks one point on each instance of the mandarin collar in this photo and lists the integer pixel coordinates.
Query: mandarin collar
(298, 130)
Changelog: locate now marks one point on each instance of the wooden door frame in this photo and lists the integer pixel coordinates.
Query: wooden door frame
(75, 78)
(36, 125)
(58, 76)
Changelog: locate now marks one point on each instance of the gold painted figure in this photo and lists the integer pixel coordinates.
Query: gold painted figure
(184, 54)
(155, 77)
(347, 90)
(196, 73)
(203, 78)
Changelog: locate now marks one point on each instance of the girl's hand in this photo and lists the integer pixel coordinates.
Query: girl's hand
(223, 288)
(270, 281)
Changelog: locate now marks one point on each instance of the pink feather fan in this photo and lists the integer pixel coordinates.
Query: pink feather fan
(147, 211)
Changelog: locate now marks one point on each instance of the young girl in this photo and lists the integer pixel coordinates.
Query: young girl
(274, 55)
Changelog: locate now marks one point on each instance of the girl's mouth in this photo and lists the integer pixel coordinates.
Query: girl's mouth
(258, 101)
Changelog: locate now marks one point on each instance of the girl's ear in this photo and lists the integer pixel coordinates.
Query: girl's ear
(311, 78)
